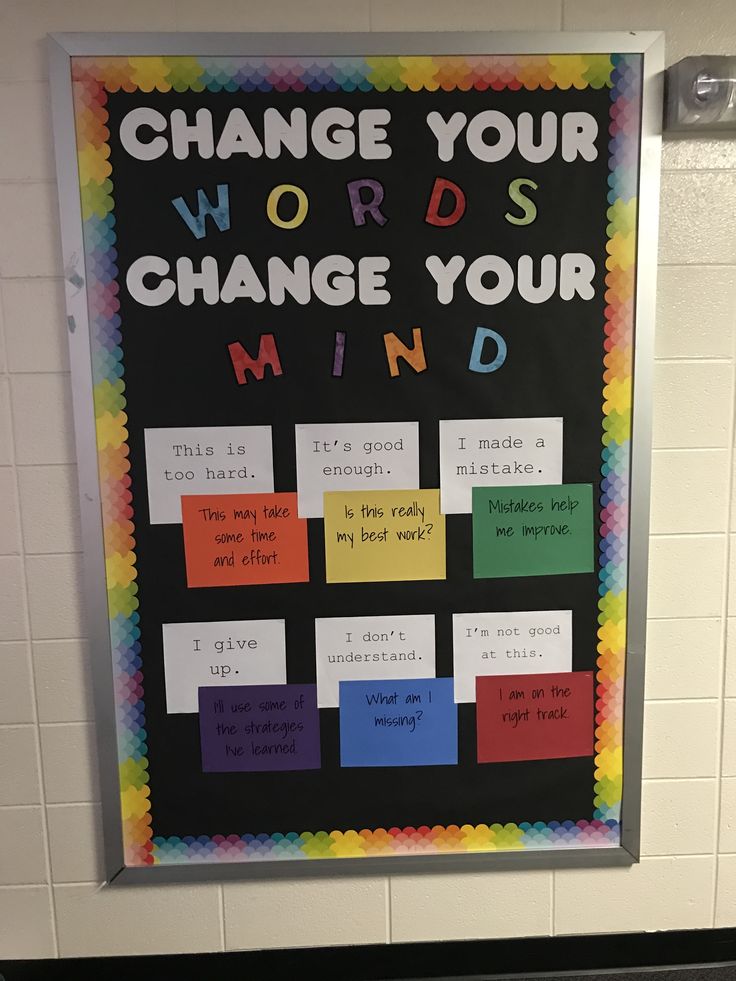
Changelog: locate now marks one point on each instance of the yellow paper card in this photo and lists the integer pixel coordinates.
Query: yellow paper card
(384, 535)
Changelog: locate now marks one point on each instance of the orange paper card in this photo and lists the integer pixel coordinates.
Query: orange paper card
(244, 539)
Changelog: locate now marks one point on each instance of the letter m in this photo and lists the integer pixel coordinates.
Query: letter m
(243, 362)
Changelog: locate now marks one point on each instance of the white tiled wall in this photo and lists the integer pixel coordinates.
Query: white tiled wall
(49, 816)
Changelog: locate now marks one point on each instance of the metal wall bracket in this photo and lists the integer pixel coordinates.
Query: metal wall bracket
(700, 95)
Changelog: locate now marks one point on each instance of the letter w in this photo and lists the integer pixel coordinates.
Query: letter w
(243, 362)
(220, 213)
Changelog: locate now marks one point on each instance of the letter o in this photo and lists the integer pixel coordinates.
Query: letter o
(272, 206)
(490, 119)
(495, 265)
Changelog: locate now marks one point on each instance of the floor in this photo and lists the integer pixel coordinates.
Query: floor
(725, 973)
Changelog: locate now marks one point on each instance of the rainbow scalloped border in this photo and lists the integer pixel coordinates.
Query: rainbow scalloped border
(93, 78)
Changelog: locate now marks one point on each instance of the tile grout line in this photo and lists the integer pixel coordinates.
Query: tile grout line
(73, 463)
(552, 883)
(87, 722)
(51, 277)
(661, 263)
(24, 372)
(221, 901)
(84, 640)
(665, 359)
(724, 634)
(679, 699)
(724, 617)
(30, 277)
(51, 371)
(42, 555)
(80, 553)
(9, 181)
(32, 667)
(19, 807)
(696, 170)
(712, 778)
(660, 535)
(59, 885)
(661, 449)
(55, 805)
(671, 619)
(389, 911)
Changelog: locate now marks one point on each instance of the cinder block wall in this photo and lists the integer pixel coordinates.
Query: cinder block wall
(50, 904)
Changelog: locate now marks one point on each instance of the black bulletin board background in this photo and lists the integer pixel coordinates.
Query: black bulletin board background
(178, 373)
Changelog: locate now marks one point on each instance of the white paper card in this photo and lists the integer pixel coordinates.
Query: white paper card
(496, 452)
(365, 648)
(205, 460)
(354, 456)
(226, 652)
(530, 642)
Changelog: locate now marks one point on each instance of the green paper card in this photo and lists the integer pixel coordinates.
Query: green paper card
(532, 531)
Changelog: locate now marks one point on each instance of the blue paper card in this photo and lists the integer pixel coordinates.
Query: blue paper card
(406, 722)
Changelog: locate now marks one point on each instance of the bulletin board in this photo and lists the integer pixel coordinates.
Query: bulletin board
(360, 329)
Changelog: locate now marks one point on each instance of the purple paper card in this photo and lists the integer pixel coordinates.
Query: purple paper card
(259, 727)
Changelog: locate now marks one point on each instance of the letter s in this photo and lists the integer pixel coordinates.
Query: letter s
(526, 204)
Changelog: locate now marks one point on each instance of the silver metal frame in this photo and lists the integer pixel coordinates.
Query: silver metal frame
(62, 47)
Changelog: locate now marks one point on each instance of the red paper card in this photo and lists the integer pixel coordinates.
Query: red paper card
(244, 539)
(534, 716)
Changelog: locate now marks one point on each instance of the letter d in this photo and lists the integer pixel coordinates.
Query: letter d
(483, 334)
(433, 216)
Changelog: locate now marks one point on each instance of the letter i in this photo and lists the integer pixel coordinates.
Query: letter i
(339, 356)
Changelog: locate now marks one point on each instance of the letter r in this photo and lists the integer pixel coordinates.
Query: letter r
(372, 206)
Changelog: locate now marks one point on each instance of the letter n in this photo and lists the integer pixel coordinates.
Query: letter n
(243, 362)
(220, 213)
(396, 349)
